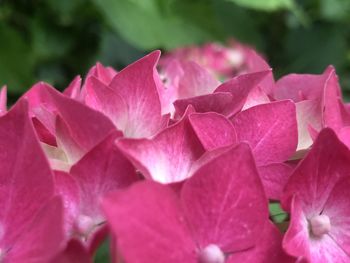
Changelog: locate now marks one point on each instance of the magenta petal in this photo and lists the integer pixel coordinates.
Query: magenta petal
(213, 130)
(75, 252)
(224, 201)
(137, 85)
(43, 238)
(268, 249)
(3, 100)
(274, 177)
(168, 157)
(316, 175)
(337, 209)
(240, 87)
(73, 89)
(195, 81)
(216, 102)
(25, 177)
(147, 220)
(265, 127)
(67, 188)
(100, 171)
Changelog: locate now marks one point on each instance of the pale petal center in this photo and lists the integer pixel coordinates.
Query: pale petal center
(211, 254)
(320, 225)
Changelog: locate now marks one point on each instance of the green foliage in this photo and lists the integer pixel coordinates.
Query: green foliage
(277, 214)
(55, 40)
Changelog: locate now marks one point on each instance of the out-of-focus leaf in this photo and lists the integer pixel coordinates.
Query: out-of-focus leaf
(231, 17)
(266, 5)
(150, 24)
(114, 51)
(311, 50)
(16, 60)
(335, 10)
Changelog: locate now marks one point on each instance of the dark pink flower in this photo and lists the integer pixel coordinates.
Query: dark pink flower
(218, 214)
(317, 195)
(29, 209)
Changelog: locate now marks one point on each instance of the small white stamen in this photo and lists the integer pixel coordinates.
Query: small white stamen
(320, 225)
(211, 254)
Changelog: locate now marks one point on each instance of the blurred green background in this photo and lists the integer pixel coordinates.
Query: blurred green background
(55, 40)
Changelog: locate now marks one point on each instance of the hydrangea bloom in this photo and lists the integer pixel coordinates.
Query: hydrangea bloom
(176, 159)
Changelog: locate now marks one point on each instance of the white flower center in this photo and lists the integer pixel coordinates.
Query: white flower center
(211, 254)
(320, 225)
(85, 224)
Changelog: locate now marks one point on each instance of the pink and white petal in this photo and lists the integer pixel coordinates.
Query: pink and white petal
(240, 87)
(315, 176)
(213, 130)
(75, 252)
(308, 114)
(88, 127)
(73, 89)
(168, 157)
(101, 170)
(137, 85)
(109, 102)
(266, 128)
(268, 249)
(337, 209)
(104, 74)
(224, 201)
(3, 100)
(26, 180)
(344, 136)
(149, 225)
(195, 81)
(298, 87)
(35, 245)
(256, 97)
(216, 102)
(296, 241)
(67, 188)
(65, 141)
(274, 177)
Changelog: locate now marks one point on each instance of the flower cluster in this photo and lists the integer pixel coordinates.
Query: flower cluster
(177, 160)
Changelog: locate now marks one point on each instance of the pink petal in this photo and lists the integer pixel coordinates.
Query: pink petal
(316, 175)
(36, 245)
(337, 209)
(256, 97)
(3, 100)
(168, 157)
(274, 177)
(66, 186)
(25, 176)
(137, 85)
(298, 87)
(196, 81)
(240, 87)
(224, 201)
(109, 102)
(100, 171)
(270, 129)
(268, 249)
(75, 252)
(147, 220)
(73, 89)
(213, 130)
(216, 102)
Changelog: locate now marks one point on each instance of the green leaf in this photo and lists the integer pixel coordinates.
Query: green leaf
(335, 10)
(312, 50)
(102, 254)
(277, 214)
(16, 61)
(266, 5)
(149, 24)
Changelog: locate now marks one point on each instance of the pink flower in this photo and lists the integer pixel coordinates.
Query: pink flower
(218, 214)
(317, 195)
